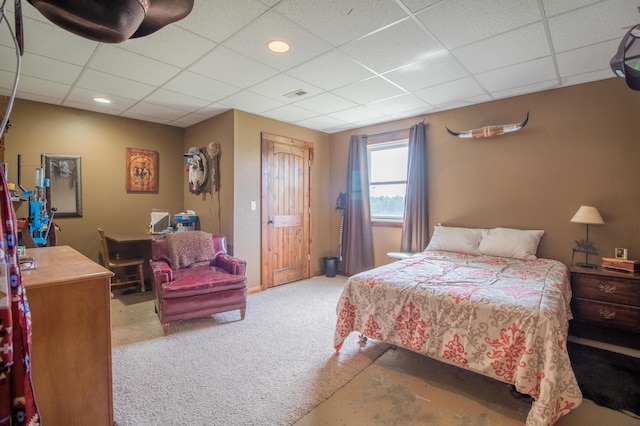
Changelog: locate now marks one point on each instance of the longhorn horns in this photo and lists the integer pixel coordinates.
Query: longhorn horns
(489, 131)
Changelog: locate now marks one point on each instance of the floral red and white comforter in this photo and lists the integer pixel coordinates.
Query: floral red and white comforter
(500, 317)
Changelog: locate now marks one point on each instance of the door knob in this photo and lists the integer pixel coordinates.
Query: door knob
(270, 221)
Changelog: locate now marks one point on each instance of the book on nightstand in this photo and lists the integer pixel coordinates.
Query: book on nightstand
(621, 264)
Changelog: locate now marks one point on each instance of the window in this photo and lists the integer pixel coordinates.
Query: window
(387, 179)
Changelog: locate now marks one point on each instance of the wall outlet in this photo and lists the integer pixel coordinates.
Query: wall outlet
(253, 205)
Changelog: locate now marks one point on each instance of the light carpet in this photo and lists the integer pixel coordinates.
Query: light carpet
(269, 369)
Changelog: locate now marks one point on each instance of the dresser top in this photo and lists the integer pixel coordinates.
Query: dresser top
(604, 272)
(60, 264)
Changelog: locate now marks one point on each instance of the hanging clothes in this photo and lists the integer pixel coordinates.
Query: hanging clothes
(17, 401)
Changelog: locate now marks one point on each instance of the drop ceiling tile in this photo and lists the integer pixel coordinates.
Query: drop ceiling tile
(37, 98)
(593, 24)
(518, 75)
(102, 109)
(151, 110)
(213, 109)
(460, 22)
(289, 113)
(49, 69)
(331, 70)
(250, 102)
(252, 41)
(144, 118)
(132, 66)
(398, 104)
(228, 66)
(172, 45)
(458, 90)
(417, 5)
(320, 123)
(556, 7)
(50, 41)
(282, 84)
(216, 20)
(176, 100)
(80, 96)
(197, 86)
(190, 120)
(325, 103)
(340, 21)
(506, 49)
(113, 85)
(461, 103)
(586, 59)
(590, 76)
(529, 88)
(356, 114)
(413, 113)
(436, 70)
(395, 46)
(38, 86)
(368, 91)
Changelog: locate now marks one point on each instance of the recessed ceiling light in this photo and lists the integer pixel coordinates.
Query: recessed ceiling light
(102, 100)
(278, 46)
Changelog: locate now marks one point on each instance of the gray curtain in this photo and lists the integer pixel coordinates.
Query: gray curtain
(415, 229)
(358, 239)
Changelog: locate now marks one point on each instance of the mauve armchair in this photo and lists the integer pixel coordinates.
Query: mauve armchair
(194, 277)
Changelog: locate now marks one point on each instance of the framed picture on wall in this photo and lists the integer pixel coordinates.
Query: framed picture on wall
(64, 193)
(142, 170)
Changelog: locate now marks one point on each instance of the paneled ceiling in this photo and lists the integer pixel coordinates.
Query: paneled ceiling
(356, 62)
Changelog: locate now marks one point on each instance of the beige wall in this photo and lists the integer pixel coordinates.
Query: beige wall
(101, 141)
(580, 147)
(240, 135)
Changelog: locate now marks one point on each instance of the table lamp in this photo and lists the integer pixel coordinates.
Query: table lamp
(587, 215)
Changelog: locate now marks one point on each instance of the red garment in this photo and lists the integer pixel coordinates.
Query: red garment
(17, 402)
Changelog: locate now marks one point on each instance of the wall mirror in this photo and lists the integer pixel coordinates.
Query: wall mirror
(65, 184)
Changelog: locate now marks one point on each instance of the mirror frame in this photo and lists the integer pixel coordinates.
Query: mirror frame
(51, 163)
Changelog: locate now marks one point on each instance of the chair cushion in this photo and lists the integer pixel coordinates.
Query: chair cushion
(204, 280)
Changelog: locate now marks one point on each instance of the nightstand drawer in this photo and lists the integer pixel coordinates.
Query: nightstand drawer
(607, 289)
(607, 314)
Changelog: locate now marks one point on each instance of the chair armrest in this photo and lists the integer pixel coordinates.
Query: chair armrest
(231, 264)
(162, 272)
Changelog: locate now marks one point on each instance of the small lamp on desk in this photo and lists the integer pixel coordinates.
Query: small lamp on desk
(587, 215)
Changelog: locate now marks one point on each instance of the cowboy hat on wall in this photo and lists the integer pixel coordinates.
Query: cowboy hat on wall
(113, 21)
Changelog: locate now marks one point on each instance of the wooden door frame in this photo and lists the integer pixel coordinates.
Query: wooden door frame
(266, 274)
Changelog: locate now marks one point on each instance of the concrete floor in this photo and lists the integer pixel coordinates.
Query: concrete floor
(399, 388)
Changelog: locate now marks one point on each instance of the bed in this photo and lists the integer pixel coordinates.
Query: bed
(479, 299)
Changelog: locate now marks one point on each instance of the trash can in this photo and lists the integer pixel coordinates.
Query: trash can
(330, 266)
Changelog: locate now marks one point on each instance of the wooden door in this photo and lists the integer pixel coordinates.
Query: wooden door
(286, 209)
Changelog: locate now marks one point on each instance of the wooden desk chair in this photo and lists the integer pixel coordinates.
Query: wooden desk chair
(124, 266)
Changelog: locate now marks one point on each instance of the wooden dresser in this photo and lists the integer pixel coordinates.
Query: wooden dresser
(69, 297)
(606, 306)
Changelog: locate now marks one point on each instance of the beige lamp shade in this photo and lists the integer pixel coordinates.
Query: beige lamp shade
(587, 215)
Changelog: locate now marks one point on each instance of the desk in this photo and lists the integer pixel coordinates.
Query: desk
(71, 328)
(133, 245)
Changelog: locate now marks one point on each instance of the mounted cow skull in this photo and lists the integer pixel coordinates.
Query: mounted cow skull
(489, 131)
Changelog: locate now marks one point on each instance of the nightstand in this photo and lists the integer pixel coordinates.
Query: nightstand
(606, 306)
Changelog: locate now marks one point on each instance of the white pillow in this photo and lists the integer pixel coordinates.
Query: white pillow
(507, 242)
(460, 240)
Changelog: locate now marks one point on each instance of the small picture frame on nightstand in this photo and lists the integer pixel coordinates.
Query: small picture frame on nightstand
(621, 253)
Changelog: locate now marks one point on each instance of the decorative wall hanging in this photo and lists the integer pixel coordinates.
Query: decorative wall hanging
(489, 131)
(203, 169)
(142, 170)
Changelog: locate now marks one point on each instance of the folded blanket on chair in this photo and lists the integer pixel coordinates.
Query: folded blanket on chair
(188, 248)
